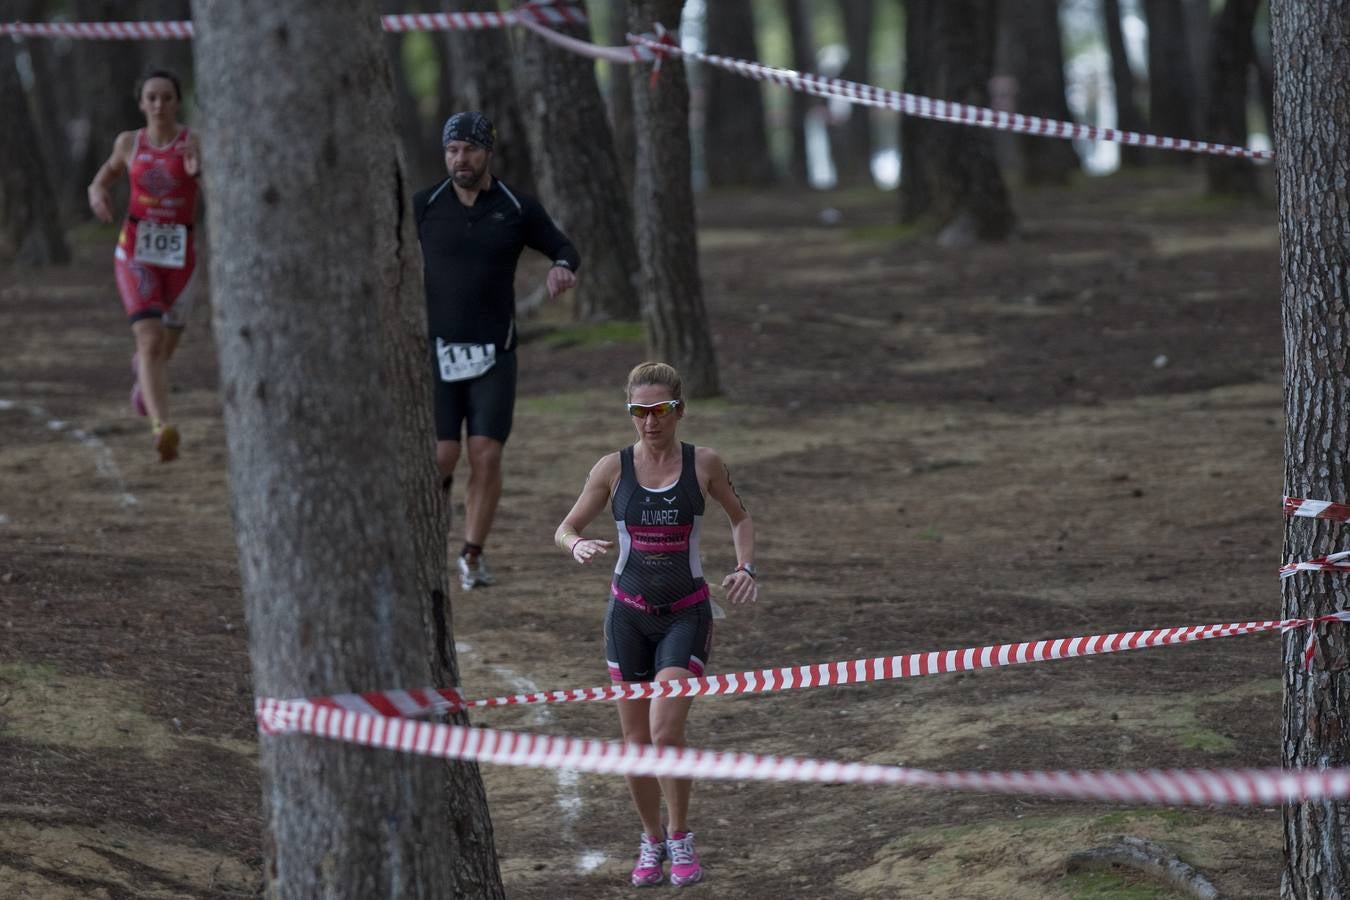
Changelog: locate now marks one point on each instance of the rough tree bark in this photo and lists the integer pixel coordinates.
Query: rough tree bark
(1172, 109)
(851, 143)
(964, 192)
(1124, 84)
(1312, 146)
(799, 104)
(483, 81)
(47, 113)
(578, 171)
(343, 566)
(671, 292)
(1031, 52)
(735, 138)
(1230, 59)
(32, 221)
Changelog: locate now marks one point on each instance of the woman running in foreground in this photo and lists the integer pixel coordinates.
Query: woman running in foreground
(658, 625)
(155, 255)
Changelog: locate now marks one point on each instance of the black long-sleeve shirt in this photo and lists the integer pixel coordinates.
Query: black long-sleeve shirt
(469, 256)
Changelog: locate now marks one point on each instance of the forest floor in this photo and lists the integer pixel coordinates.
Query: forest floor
(1078, 431)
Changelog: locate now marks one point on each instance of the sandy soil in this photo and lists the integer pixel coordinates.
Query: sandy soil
(1076, 432)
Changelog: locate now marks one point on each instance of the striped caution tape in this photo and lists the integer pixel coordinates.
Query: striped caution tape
(452, 21)
(411, 703)
(1317, 509)
(1334, 562)
(943, 110)
(1170, 787)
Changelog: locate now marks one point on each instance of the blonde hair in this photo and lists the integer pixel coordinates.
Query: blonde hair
(657, 373)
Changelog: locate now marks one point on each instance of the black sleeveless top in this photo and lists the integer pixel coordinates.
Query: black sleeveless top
(659, 565)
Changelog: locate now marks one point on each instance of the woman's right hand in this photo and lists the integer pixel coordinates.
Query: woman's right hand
(584, 550)
(100, 202)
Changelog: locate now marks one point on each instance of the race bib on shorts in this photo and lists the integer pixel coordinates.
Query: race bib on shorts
(460, 362)
(161, 244)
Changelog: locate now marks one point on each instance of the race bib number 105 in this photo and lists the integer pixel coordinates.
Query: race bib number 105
(460, 362)
(161, 244)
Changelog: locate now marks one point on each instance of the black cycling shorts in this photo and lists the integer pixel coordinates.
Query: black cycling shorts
(639, 644)
(486, 402)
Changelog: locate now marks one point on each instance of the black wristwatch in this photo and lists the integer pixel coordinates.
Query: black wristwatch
(749, 569)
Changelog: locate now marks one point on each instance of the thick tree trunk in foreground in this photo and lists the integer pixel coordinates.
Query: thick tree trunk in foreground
(578, 171)
(963, 188)
(671, 293)
(1230, 59)
(318, 319)
(31, 218)
(1312, 145)
(735, 138)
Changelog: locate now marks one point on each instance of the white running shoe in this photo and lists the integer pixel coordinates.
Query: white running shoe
(474, 574)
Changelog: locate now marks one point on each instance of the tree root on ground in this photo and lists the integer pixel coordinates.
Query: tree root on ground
(1152, 859)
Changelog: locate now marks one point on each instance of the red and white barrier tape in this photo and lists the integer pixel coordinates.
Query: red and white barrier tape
(409, 703)
(943, 110)
(453, 21)
(1335, 562)
(1317, 509)
(1171, 787)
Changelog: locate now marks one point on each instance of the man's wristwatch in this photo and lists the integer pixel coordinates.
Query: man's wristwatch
(749, 569)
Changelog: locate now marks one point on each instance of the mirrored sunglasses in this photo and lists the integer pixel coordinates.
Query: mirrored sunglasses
(660, 410)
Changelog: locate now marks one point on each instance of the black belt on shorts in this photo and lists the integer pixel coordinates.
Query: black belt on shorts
(135, 221)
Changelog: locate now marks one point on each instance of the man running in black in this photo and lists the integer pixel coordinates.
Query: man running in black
(472, 228)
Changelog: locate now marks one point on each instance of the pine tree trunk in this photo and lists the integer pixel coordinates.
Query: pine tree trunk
(671, 292)
(341, 556)
(1230, 59)
(1312, 146)
(1172, 110)
(619, 101)
(1033, 55)
(735, 136)
(852, 142)
(483, 81)
(965, 192)
(1128, 116)
(578, 171)
(803, 60)
(31, 218)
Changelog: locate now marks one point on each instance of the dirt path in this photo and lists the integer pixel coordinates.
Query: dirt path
(1077, 432)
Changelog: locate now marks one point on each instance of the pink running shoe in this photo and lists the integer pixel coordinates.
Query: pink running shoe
(684, 867)
(651, 853)
(137, 401)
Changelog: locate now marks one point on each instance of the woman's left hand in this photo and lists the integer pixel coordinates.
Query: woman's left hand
(740, 587)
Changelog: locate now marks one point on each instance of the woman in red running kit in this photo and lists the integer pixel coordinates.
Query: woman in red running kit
(658, 626)
(155, 255)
